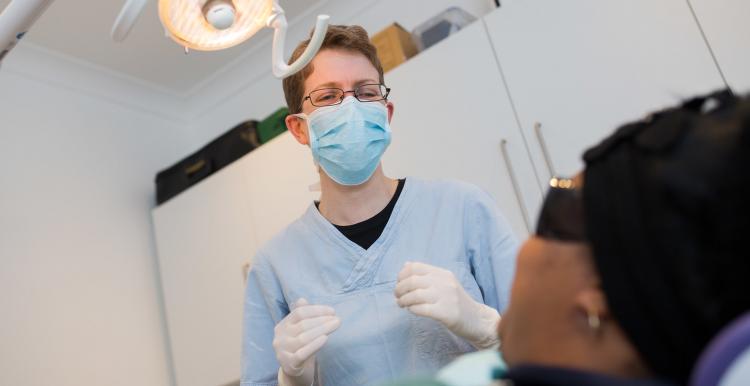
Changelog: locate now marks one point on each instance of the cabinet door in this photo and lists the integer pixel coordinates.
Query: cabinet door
(725, 23)
(280, 176)
(203, 237)
(576, 70)
(453, 119)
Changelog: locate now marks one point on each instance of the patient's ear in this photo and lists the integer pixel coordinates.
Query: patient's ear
(591, 305)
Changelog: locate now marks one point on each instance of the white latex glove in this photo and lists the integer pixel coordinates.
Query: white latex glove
(298, 337)
(433, 292)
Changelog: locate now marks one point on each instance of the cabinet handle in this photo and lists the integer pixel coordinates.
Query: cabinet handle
(543, 146)
(514, 182)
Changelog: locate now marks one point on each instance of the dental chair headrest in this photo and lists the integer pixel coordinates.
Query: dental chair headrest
(726, 360)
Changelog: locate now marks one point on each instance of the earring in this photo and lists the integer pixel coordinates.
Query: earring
(594, 322)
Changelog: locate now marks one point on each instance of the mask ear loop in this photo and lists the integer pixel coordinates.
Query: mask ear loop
(313, 142)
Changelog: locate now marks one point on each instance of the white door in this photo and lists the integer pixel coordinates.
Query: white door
(725, 23)
(577, 70)
(453, 119)
(203, 237)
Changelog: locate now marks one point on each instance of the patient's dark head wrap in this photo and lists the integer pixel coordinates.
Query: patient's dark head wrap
(667, 215)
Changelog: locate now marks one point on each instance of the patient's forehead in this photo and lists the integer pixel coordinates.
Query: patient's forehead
(565, 258)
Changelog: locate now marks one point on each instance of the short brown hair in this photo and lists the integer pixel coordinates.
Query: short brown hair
(344, 37)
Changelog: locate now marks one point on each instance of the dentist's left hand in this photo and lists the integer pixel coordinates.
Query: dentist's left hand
(434, 292)
(298, 337)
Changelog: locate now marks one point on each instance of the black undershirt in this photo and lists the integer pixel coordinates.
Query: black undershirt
(366, 232)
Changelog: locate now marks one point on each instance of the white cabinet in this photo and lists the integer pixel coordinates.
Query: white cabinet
(280, 174)
(576, 70)
(725, 23)
(202, 238)
(451, 115)
(205, 235)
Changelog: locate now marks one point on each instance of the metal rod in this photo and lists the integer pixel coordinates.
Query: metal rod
(514, 182)
(543, 146)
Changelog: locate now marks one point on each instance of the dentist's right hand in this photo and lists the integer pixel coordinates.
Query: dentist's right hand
(298, 337)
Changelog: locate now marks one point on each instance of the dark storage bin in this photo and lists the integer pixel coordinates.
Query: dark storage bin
(273, 125)
(220, 152)
(235, 143)
(441, 26)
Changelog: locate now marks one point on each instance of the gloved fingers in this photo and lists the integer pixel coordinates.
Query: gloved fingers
(315, 332)
(306, 351)
(299, 303)
(296, 323)
(418, 296)
(419, 269)
(294, 330)
(308, 324)
(310, 311)
(412, 283)
(425, 309)
(290, 363)
(293, 336)
(407, 270)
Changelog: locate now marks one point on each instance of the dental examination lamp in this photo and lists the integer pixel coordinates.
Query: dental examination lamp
(208, 25)
(204, 25)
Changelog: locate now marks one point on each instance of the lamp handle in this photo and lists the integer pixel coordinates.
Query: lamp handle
(277, 21)
(15, 19)
(543, 146)
(514, 183)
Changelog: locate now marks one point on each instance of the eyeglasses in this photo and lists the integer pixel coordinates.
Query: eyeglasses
(332, 96)
(561, 217)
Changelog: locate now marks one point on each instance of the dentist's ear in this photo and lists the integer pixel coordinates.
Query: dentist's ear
(390, 107)
(298, 127)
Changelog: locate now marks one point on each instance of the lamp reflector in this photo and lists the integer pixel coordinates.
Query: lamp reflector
(187, 22)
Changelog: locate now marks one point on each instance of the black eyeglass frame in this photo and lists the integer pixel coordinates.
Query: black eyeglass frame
(354, 92)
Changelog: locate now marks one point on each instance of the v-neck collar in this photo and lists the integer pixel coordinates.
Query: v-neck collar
(364, 260)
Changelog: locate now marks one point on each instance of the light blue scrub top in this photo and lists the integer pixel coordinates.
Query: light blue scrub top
(443, 223)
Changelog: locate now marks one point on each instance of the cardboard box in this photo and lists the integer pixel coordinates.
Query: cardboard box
(394, 45)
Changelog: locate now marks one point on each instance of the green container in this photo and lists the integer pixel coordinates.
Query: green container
(273, 125)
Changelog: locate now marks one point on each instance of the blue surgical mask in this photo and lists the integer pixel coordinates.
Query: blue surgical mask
(348, 139)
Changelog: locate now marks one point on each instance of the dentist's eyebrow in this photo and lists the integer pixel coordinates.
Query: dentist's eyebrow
(365, 81)
(338, 85)
(327, 85)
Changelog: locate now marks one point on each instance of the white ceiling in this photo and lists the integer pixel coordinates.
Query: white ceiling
(81, 29)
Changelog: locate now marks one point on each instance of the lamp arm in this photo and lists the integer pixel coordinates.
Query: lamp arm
(278, 22)
(16, 19)
(126, 19)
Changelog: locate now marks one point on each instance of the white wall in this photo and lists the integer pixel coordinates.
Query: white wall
(80, 300)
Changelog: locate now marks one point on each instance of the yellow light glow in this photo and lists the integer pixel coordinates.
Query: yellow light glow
(188, 26)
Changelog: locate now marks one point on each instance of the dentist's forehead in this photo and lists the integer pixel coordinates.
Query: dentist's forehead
(340, 69)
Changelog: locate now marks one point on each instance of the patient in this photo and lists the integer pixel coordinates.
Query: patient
(640, 260)
(636, 263)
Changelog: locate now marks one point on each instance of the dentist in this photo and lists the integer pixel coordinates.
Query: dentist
(382, 278)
